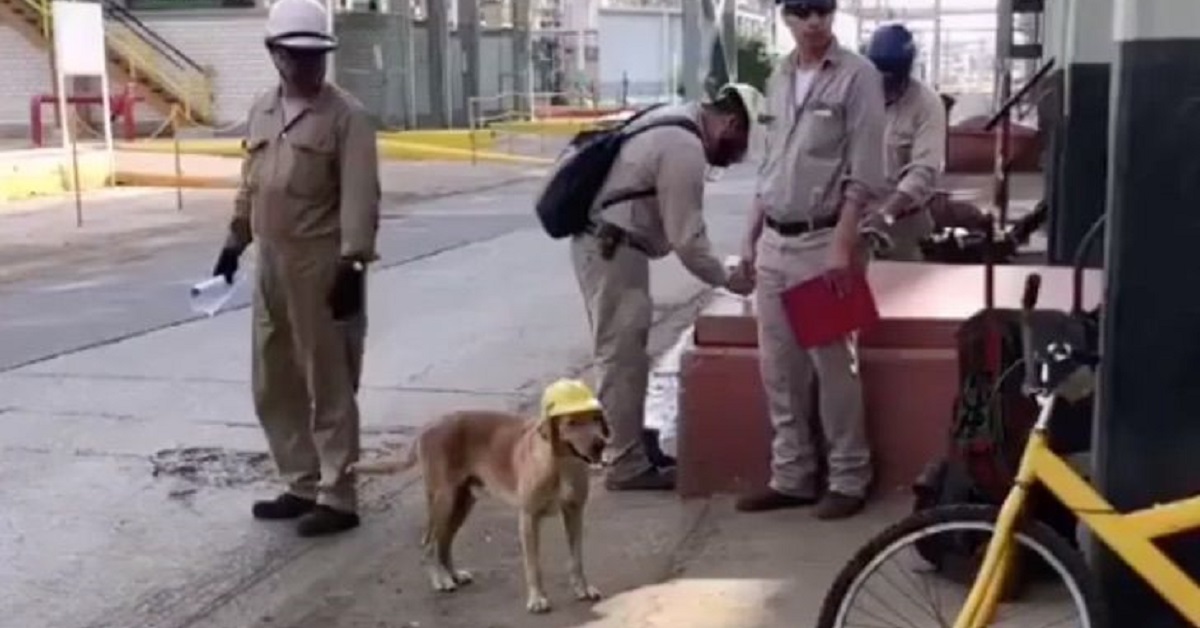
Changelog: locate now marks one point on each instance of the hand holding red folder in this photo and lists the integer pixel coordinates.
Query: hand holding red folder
(826, 308)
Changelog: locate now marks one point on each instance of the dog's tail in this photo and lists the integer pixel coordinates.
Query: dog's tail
(386, 466)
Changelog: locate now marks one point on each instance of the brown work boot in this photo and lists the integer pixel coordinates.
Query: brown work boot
(771, 499)
(286, 506)
(838, 506)
(652, 479)
(324, 520)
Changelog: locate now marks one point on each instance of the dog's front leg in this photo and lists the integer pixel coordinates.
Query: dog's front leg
(572, 516)
(530, 537)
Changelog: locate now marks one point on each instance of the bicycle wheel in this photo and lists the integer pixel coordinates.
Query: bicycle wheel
(944, 587)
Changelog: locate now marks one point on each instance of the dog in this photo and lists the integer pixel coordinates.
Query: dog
(539, 466)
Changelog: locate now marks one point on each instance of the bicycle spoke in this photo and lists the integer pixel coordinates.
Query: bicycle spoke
(900, 578)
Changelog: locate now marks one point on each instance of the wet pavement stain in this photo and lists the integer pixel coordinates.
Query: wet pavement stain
(211, 466)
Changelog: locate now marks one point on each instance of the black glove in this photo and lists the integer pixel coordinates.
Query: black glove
(227, 263)
(347, 295)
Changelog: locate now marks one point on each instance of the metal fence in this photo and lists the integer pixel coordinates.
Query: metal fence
(384, 60)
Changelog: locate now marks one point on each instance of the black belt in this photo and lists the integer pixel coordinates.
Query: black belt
(612, 236)
(792, 229)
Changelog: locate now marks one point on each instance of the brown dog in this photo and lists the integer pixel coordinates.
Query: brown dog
(538, 466)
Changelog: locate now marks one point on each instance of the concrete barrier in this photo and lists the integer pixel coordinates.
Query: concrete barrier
(47, 171)
(452, 146)
(908, 364)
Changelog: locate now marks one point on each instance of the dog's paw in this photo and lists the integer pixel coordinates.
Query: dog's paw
(443, 581)
(586, 592)
(462, 576)
(537, 603)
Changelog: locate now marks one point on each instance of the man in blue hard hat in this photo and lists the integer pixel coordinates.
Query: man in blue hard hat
(915, 145)
(822, 169)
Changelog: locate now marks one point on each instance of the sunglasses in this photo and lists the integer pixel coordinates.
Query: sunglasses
(803, 11)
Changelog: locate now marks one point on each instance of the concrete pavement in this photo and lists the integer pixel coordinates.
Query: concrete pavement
(130, 452)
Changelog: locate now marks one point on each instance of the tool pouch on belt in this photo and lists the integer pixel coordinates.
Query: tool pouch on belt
(610, 237)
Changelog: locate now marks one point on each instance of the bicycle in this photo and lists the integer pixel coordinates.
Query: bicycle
(1057, 372)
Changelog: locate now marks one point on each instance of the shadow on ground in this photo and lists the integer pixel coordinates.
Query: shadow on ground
(661, 563)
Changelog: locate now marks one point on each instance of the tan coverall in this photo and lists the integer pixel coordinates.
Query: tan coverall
(616, 292)
(915, 156)
(310, 190)
(820, 151)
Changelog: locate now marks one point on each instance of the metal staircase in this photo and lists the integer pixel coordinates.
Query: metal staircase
(1019, 38)
(138, 54)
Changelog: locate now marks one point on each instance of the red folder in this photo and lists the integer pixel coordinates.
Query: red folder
(818, 316)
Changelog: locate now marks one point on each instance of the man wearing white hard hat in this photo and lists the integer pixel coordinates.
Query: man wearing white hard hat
(652, 204)
(309, 196)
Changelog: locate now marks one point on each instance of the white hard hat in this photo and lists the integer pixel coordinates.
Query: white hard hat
(302, 24)
(750, 97)
(752, 102)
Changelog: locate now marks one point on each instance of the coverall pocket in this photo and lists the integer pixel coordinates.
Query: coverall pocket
(815, 186)
(313, 165)
(901, 153)
(253, 164)
(824, 129)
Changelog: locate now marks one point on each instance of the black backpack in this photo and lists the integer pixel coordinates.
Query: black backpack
(565, 204)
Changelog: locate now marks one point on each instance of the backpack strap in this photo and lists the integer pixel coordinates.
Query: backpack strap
(657, 105)
(683, 123)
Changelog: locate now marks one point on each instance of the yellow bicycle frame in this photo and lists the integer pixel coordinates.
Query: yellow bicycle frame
(1130, 536)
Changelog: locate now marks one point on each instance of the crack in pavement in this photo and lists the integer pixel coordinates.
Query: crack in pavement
(406, 198)
(199, 317)
(664, 333)
(122, 377)
(79, 453)
(153, 610)
(111, 416)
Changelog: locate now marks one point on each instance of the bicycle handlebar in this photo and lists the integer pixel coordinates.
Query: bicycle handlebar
(1033, 285)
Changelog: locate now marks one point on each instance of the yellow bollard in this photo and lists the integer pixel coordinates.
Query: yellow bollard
(174, 120)
(74, 119)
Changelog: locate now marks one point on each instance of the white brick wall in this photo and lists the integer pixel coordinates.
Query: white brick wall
(229, 41)
(24, 72)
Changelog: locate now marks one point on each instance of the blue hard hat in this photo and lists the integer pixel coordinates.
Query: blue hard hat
(809, 4)
(892, 49)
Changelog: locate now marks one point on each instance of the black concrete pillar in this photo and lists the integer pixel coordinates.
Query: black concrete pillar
(1148, 419)
(468, 39)
(1083, 169)
(437, 35)
(1081, 143)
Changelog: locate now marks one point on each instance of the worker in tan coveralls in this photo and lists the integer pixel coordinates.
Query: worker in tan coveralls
(309, 196)
(823, 167)
(915, 146)
(612, 260)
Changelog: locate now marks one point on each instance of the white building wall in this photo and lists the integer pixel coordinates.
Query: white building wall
(641, 46)
(230, 42)
(26, 71)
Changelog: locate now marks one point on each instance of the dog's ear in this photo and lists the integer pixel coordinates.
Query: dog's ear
(548, 429)
(605, 430)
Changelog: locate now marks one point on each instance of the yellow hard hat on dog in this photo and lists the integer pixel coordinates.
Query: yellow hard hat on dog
(568, 396)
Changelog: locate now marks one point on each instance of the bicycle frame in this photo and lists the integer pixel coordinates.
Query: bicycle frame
(1130, 535)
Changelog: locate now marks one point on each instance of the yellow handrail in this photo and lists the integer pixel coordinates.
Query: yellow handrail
(192, 88)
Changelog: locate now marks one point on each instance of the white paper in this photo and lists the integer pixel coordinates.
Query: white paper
(210, 295)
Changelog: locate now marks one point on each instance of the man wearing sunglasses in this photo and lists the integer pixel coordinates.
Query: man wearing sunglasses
(309, 197)
(915, 143)
(823, 166)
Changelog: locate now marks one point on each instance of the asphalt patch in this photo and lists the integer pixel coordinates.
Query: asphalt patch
(213, 466)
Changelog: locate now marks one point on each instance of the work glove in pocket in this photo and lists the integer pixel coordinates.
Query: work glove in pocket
(346, 296)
